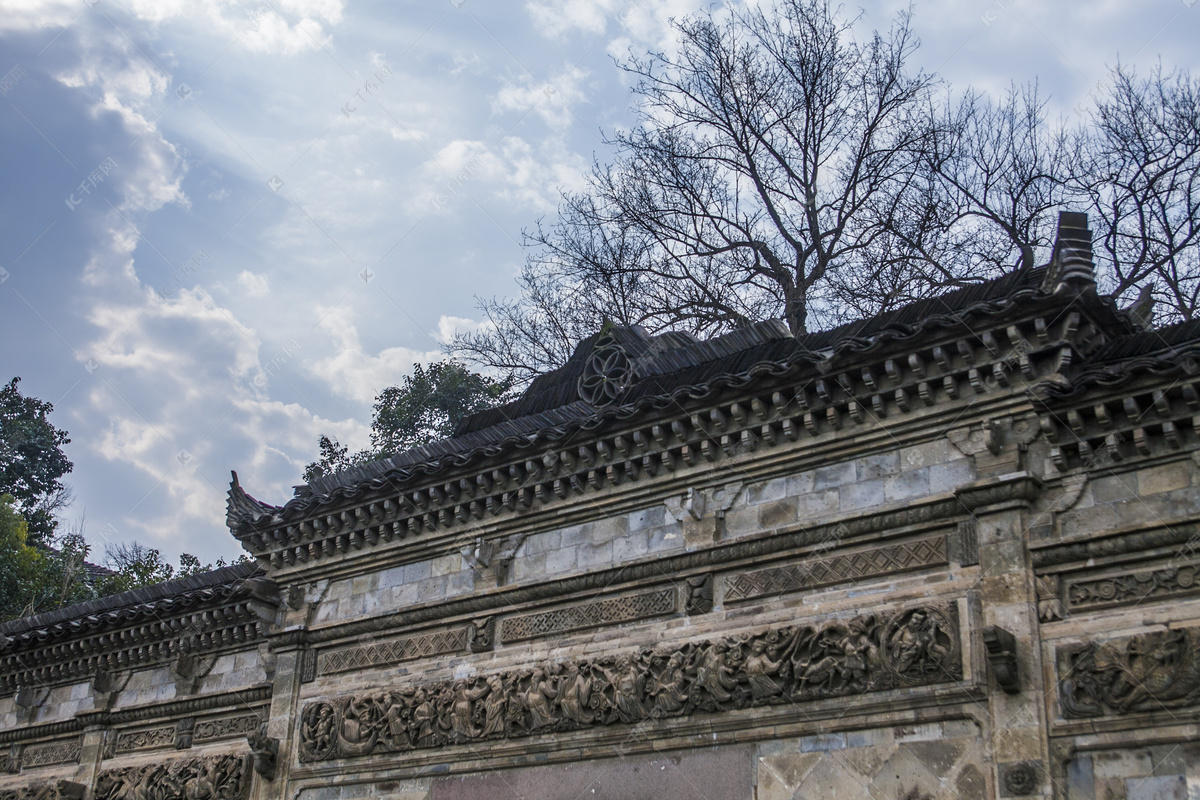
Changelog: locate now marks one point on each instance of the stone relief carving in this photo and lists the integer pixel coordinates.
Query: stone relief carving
(264, 752)
(227, 727)
(588, 615)
(1020, 778)
(1149, 672)
(215, 778)
(1049, 596)
(783, 665)
(606, 374)
(1133, 587)
(698, 594)
(390, 652)
(837, 569)
(188, 670)
(184, 733)
(42, 755)
(54, 790)
(150, 738)
(481, 634)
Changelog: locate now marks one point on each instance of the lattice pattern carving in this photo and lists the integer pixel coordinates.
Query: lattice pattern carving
(589, 615)
(838, 569)
(43, 755)
(406, 649)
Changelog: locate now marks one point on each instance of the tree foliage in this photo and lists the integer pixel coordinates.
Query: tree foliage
(781, 166)
(32, 462)
(427, 406)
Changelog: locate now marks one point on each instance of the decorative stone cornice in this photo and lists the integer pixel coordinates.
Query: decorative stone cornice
(799, 398)
(228, 615)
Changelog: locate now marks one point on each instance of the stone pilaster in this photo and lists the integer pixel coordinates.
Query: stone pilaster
(1008, 599)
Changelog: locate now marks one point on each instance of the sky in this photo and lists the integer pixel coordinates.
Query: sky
(226, 225)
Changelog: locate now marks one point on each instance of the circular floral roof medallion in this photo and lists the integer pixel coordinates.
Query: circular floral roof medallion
(606, 374)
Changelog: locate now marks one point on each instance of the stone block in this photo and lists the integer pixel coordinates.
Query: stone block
(444, 565)
(648, 518)
(576, 535)
(949, 476)
(877, 466)
(833, 476)
(800, 483)
(417, 571)
(431, 589)
(1112, 488)
(391, 577)
(528, 567)
(910, 484)
(629, 546)
(766, 492)
(774, 515)
(541, 543)
(665, 537)
(560, 560)
(1164, 479)
(817, 505)
(866, 494)
(593, 556)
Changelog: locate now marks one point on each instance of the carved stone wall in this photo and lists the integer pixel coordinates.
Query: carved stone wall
(912, 647)
(212, 778)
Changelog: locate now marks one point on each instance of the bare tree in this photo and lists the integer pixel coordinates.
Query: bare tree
(771, 151)
(1140, 179)
(782, 168)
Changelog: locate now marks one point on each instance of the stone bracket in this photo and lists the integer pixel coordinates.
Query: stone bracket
(1001, 649)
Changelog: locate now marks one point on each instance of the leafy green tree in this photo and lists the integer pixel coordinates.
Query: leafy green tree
(32, 462)
(427, 406)
(35, 577)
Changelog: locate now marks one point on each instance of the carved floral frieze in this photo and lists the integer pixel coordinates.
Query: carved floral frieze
(215, 778)
(1149, 672)
(913, 647)
(1133, 587)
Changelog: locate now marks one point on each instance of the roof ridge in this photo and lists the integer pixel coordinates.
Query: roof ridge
(132, 597)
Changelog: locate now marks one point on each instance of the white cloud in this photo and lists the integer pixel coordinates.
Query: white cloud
(253, 284)
(354, 373)
(551, 99)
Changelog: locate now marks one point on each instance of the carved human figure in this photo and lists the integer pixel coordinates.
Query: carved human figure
(423, 718)
(396, 721)
(914, 644)
(317, 730)
(713, 673)
(462, 711)
(760, 669)
(670, 690)
(494, 706)
(537, 700)
(628, 682)
(575, 695)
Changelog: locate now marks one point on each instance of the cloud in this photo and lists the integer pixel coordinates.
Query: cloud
(354, 373)
(551, 99)
(253, 284)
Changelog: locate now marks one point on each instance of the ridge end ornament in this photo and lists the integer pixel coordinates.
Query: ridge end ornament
(607, 372)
